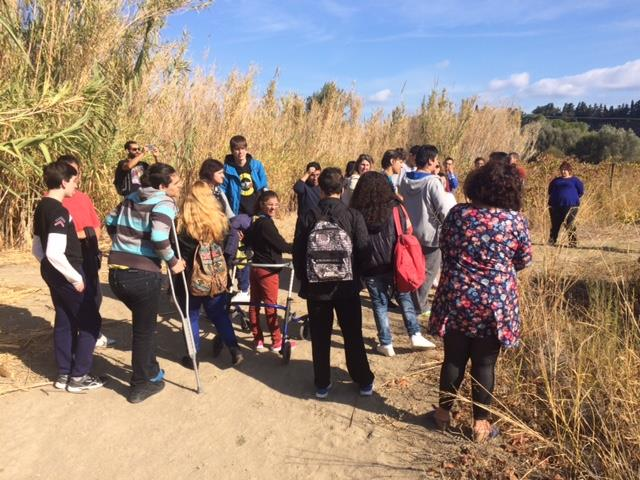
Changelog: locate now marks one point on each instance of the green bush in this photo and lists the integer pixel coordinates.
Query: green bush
(608, 143)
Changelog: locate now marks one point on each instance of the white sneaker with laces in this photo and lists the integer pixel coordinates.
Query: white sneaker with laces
(386, 350)
(104, 341)
(241, 297)
(418, 341)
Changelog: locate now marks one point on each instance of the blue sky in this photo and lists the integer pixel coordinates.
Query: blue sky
(519, 52)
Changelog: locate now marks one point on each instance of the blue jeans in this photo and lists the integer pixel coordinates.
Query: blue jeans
(380, 289)
(216, 310)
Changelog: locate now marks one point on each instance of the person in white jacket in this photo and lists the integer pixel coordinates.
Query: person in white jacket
(427, 204)
(364, 163)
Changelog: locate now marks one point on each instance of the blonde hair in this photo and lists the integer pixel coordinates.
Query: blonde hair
(202, 216)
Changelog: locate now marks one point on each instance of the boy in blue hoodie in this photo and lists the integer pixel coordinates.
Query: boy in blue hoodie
(244, 180)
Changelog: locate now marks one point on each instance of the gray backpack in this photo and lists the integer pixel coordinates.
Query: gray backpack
(329, 250)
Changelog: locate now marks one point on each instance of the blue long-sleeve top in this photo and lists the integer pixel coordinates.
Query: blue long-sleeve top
(565, 192)
(453, 181)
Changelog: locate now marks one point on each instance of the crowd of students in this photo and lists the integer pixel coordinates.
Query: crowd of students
(346, 238)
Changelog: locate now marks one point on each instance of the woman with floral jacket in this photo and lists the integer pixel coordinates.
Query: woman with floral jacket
(475, 308)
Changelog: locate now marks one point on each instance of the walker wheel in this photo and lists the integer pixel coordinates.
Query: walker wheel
(305, 331)
(242, 320)
(286, 351)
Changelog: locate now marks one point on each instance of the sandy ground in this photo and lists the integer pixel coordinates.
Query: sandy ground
(259, 420)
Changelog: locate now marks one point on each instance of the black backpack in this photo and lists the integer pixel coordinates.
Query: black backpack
(329, 250)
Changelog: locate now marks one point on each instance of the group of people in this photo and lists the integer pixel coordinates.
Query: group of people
(346, 237)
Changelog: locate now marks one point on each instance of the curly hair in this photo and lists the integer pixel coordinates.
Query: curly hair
(496, 184)
(374, 198)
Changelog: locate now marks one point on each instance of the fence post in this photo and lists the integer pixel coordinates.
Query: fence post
(613, 166)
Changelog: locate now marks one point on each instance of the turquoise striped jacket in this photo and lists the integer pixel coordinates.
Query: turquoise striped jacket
(140, 228)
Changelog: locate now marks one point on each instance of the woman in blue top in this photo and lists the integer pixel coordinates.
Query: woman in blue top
(564, 199)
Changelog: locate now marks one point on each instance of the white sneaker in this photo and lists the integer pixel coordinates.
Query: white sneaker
(104, 341)
(260, 348)
(241, 297)
(418, 341)
(386, 350)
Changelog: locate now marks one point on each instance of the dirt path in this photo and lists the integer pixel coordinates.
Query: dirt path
(259, 420)
(256, 421)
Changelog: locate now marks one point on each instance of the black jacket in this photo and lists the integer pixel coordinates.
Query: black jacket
(352, 222)
(267, 243)
(308, 196)
(383, 239)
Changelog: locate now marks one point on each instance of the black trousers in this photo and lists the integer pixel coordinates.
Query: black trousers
(77, 322)
(139, 290)
(560, 215)
(483, 352)
(349, 313)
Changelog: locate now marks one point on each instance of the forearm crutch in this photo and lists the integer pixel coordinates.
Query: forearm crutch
(186, 323)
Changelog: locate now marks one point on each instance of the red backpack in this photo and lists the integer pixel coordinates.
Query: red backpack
(409, 259)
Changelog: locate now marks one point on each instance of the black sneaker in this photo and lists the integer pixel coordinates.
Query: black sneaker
(85, 383)
(236, 356)
(139, 393)
(188, 363)
(61, 381)
(218, 345)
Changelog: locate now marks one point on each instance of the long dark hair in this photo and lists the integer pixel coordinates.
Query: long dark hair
(374, 198)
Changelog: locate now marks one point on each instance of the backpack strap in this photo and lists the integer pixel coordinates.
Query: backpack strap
(398, 223)
(407, 220)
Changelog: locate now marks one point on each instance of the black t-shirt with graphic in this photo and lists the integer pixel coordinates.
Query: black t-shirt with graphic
(51, 217)
(248, 193)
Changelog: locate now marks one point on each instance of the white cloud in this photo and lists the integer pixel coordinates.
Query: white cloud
(516, 80)
(380, 96)
(443, 64)
(598, 82)
(620, 77)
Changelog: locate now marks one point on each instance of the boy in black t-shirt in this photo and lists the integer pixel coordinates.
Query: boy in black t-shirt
(57, 248)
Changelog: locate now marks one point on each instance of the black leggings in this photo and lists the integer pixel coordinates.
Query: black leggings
(458, 348)
(560, 215)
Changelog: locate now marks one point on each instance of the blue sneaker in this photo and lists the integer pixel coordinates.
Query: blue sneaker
(367, 390)
(159, 377)
(323, 392)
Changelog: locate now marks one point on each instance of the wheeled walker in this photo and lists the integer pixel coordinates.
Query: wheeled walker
(237, 313)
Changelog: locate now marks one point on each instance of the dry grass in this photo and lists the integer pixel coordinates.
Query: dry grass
(89, 85)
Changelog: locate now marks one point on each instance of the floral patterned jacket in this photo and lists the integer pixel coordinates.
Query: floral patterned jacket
(482, 248)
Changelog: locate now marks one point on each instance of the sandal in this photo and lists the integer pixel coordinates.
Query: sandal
(484, 431)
